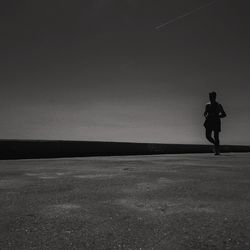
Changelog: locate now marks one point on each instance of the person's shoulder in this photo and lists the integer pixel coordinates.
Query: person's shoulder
(217, 104)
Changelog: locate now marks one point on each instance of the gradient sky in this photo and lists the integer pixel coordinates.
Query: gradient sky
(99, 70)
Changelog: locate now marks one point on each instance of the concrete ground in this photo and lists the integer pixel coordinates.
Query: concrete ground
(131, 202)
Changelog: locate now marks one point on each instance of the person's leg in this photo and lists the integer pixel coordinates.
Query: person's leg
(209, 136)
(216, 142)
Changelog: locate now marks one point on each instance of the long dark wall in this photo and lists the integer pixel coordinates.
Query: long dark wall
(24, 149)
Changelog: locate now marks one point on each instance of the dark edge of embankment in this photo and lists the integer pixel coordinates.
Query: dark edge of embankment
(28, 149)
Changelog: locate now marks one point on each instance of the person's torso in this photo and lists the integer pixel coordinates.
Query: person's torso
(213, 110)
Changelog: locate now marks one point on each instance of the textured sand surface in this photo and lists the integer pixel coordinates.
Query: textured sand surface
(129, 202)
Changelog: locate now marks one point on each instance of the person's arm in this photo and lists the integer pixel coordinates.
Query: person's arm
(205, 113)
(222, 112)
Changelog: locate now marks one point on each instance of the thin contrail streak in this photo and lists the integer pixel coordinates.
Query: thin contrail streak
(184, 15)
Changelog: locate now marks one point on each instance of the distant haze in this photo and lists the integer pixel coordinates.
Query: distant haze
(100, 70)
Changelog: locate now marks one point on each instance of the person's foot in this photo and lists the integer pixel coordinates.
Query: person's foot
(216, 150)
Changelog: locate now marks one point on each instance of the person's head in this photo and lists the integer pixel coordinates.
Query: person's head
(212, 96)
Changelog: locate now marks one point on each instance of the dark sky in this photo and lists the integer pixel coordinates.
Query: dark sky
(99, 70)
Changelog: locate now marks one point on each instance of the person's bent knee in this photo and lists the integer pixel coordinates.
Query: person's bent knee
(209, 135)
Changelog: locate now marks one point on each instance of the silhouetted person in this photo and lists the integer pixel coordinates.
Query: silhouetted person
(213, 113)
